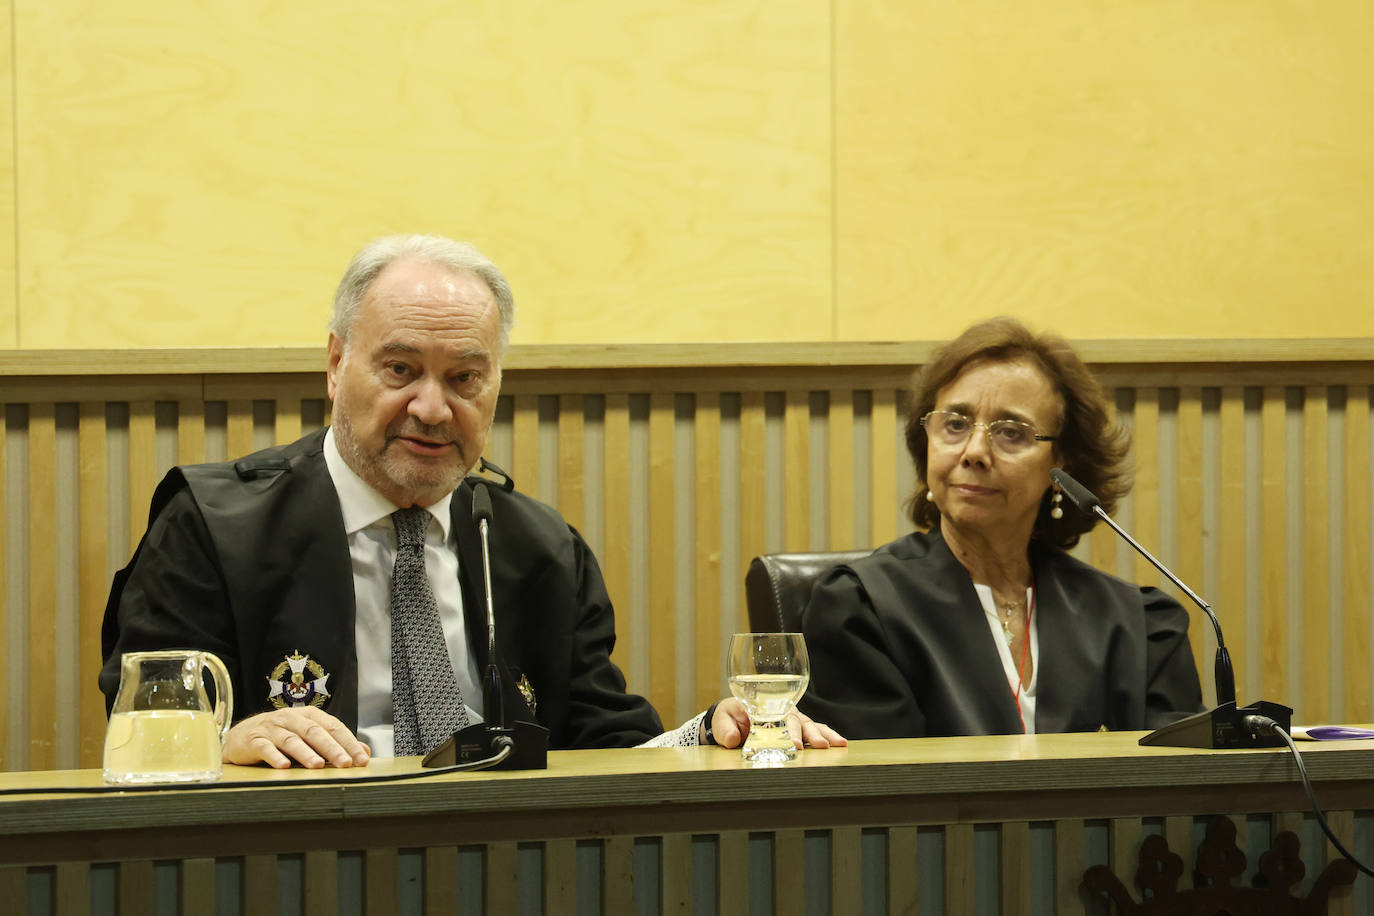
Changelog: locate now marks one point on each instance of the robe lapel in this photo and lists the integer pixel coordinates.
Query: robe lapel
(322, 559)
(1061, 675)
(986, 687)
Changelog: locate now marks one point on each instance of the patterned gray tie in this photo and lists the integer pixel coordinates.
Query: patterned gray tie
(427, 706)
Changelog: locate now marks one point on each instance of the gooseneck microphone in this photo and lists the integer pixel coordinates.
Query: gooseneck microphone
(527, 742)
(493, 698)
(1226, 726)
(1087, 503)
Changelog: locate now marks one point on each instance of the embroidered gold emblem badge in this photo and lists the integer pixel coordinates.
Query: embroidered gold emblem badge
(287, 685)
(527, 691)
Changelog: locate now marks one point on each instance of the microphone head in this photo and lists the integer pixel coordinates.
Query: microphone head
(1078, 494)
(481, 503)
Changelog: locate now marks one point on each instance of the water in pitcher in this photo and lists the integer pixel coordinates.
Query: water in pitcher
(162, 745)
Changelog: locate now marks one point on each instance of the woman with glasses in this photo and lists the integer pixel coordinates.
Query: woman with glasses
(980, 622)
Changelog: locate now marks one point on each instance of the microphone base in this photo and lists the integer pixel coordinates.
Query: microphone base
(529, 751)
(1222, 729)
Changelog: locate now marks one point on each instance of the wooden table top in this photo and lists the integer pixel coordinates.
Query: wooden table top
(596, 779)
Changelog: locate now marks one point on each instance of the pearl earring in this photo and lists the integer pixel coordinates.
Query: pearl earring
(930, 497)
(1056, 510)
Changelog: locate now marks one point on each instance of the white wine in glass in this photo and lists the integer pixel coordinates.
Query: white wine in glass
(768, 674)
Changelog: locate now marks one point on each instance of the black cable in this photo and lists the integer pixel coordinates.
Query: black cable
(1266, 726)
(485, 763)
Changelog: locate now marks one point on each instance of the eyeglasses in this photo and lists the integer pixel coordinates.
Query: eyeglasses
(1007, 438)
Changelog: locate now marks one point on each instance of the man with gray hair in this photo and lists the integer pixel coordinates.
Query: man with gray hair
(338, 577)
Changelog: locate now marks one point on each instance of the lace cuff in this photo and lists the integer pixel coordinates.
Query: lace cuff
(685, 735)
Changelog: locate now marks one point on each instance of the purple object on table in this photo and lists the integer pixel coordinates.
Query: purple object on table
(1333, 732)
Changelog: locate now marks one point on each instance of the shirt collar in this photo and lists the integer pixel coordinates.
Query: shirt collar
(362, 505)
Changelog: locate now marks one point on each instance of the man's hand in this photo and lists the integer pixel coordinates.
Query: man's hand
(310, 736)
(730, 726)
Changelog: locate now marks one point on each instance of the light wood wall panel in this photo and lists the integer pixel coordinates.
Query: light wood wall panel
(9, 300)
(1061, 161)
(606, 155)
(755, 170)
(646, 454)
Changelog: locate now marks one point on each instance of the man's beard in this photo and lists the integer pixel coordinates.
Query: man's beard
(414, 478)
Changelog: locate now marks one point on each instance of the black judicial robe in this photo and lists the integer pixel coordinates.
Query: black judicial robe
(900, 647)
(249, 560)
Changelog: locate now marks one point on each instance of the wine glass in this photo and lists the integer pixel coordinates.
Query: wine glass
(768, 673)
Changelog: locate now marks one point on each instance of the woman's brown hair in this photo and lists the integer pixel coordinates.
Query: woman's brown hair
(1093, 448)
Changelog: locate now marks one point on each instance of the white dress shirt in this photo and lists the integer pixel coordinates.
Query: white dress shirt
(372, 548)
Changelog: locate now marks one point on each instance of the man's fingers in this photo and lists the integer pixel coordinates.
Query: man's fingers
(308, 736)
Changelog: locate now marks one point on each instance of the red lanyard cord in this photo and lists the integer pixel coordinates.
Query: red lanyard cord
(1025, 650)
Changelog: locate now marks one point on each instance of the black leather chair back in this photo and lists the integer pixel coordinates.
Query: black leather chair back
(778, 586)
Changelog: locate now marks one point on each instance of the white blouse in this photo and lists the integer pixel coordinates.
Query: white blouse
(1009, 664)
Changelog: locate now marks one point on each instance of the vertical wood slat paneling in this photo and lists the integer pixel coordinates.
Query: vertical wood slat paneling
(1243, 840)
(72, 889)
(1230, 601)
(1316, 610)
(560, 875)
(379, 881)
(710, 644)
(571, 494)
(1014, 885)
(5, 648)
(796, 426)
(676, 873)
(732, 874)
(502, 879)
(142, 465)
(190, 432)
(196, 890)
(840, 464)
(1291, 822)
(321, 881)
(882, 473)
(42, 544)
(960, 880)
(260, 884)
(286, 427)
(441, 881)
(1145, 492)
(1178, 833)
(1355, 558)
(1123, 853)
(618, 876)
(789, 871)
(238, 431)
(1102, 542)
(92, 578)
(136, 886)
(615, 555)
(662, 557)
(752, 482)
(1188, 517)
(846, 869)
(14, 889)
(1068, 865)
(525, 445)
(1342, 824)
(1274, 547)
(901, 870)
